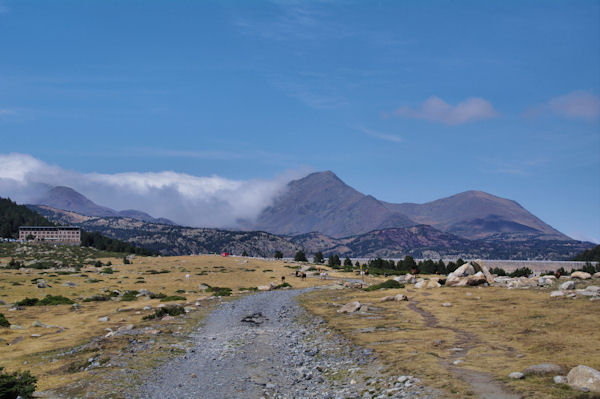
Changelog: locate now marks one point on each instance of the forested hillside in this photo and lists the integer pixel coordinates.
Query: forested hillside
(12, 216)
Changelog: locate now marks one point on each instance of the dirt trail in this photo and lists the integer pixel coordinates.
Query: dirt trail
(483, 384)
(265, 346)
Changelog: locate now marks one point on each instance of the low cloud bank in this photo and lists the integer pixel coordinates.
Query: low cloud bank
(207, 201)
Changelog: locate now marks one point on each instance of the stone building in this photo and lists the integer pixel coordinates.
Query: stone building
(60, 234)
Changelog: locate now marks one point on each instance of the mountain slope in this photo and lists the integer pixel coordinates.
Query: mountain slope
(479, 215)
(418, 241)
(61, 197)
(322, 202)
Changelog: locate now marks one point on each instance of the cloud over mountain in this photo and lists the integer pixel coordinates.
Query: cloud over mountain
(183, 198)
(437, 110)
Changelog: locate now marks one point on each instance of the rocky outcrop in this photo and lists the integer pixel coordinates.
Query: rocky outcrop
(584, 378)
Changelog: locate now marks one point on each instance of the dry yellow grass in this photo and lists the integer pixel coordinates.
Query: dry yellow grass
(19, 350)
(503, 331)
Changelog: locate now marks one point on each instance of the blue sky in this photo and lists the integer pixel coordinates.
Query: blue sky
(407, 101)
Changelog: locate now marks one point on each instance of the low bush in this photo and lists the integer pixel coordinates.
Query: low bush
(498, 271)
(173, 298)
(521, 272)
(51, 300)
(17, 384)
(130, 295)
(27, 302)
(171, 310)
(107, 270)
(97, 298)
(219, 291)
(385, 285)
(281, 286)
(160, 295)
(3, 321)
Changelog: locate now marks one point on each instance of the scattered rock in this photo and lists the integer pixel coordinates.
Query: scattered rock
(596, 275)
(69, 284)
(128, 327)
(515, 375)
(16, 327)
(567, 285)
(446, 304)
(593, 288)
(400, 297)
(584, 378)
(556, 294)
(350, 307)
(559, 379)
(264, 288)
(42, 284)
(103, 319)
(581, 275)
(543, 369)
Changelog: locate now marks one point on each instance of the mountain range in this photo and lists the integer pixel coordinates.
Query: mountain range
(65, 198)
(322, 202)
(321, 213)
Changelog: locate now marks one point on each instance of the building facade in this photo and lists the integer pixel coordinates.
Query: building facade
(61, 234)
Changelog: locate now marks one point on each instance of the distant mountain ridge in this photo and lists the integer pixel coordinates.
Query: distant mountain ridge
(322, 202)
(420, 241)
(65, 198)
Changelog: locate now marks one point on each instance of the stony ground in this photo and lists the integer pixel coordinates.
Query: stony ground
(265, 346)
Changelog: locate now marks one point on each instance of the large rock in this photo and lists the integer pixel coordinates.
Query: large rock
(42, 284)
(554, 294)
(455, 281)
(264, 288)
(593, 288)
(427, 284)
(350, 307)
(596, 275)
(567, 285)
(463, 271)
(584, 378)
(543, 369)
(400, 297)
(581, 275)
(480, 267)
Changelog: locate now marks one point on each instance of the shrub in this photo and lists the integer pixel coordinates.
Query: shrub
(219, 291)
(51, 300)
(173, 298)
(498, 271)
(159, 296)
(97, 298)
(17, 384)
(107, 270)
(248, 289)
(3, 321)
(126, 261)
(521, 272)
(171, 310)
(385, 285)
(281, 286)
(130, 295)
(27, 302)
(98, 264)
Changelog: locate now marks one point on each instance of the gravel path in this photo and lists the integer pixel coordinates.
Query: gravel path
(266, 346)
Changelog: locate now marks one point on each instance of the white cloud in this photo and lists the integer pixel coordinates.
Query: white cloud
(577, 104)
(210, 201)
(382, 136)
(437, 110)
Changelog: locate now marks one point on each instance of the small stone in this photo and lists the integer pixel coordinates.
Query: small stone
(516, 375)
(559, 379)
(446, 304)
(103, 319)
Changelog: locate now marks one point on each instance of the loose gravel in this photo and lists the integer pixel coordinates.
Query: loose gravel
(266, 346)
